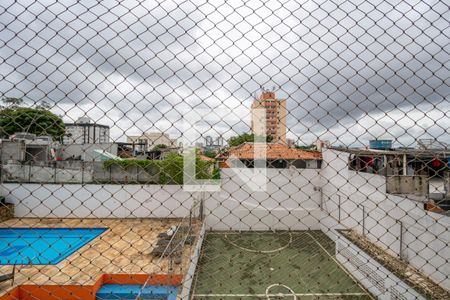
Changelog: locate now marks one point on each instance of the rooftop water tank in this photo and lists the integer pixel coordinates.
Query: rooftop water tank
(380, 144)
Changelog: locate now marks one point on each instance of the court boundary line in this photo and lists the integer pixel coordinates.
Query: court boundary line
(260, 251)
(280, 294)
(268, 295)
(365, 293)
(342, 267)
(195, 279)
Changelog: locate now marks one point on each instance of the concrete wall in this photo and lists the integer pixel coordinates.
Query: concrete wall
(16, 172)
(12, 151)
(76, 171)
(289, 201)
(86, 151)
(426, 235)
(412, 184)
(190, 274)
(381, 282)
(130, 174)
(97, 201)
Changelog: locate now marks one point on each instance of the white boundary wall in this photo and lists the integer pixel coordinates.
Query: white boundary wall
(291, 200)
(97, 201)
(373, 276)
(189, 277)
(426, 235)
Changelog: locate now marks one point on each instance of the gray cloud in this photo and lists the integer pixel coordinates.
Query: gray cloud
(141, 66)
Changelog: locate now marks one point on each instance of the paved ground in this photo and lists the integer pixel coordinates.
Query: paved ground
(124, 248)
(252, 265)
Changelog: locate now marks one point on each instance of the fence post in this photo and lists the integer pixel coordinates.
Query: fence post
(339, 208)
(363, 219)
(321, 197)
(190, 217)
(202, 208)
(401, 240)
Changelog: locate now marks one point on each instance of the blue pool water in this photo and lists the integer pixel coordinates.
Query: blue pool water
(130, 291)
(42, 246)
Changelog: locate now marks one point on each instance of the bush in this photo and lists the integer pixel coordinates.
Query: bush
(131, 163)
(170, 169)
(245, 138)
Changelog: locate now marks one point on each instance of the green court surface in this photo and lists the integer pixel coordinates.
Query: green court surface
(267, 265)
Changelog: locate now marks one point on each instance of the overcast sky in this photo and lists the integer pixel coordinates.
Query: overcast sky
(350, 70)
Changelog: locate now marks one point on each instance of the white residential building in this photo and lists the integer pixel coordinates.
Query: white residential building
(84, 131)
(148, 140)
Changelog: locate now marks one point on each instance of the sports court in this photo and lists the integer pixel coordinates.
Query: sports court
(268, 265)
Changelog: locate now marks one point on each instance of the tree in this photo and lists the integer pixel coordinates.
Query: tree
(44, 105)
(305, 147)
(159, 147)
(11, 102)
(210, 153)
(172, 171)
(245, 138)
(38, 121)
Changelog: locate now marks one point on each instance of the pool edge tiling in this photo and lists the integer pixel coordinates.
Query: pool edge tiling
(131, 291)
(88, 292)
(43, 246)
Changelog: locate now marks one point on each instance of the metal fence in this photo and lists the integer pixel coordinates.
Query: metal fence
(224, 149)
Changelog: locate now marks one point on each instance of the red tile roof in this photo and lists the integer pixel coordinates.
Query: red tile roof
(205, 158)
(273, 151)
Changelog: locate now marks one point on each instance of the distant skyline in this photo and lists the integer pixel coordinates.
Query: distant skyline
(349, 73)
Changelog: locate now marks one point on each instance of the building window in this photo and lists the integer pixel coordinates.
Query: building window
(299, 164)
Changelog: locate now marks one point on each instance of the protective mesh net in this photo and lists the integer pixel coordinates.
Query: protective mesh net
(224, 149)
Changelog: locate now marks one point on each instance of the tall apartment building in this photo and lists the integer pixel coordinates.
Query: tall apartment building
(275, 116)
(84, 131)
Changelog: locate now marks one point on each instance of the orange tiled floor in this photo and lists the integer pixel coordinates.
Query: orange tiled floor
(124, 248)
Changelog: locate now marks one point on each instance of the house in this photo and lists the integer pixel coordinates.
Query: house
(277, 155)
(147, 141)
(35, 148)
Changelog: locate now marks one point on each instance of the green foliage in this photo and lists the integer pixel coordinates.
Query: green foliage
(38, 121)
(210, 153)
(216, 173)
(305, 147)
(203, 168)
(245, 138)
(170, 169)
(12, 102)
(130, 163)
(159, 147)
(44, 105)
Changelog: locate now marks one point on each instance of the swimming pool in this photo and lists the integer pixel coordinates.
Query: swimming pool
(131, 291)
(42, 246)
